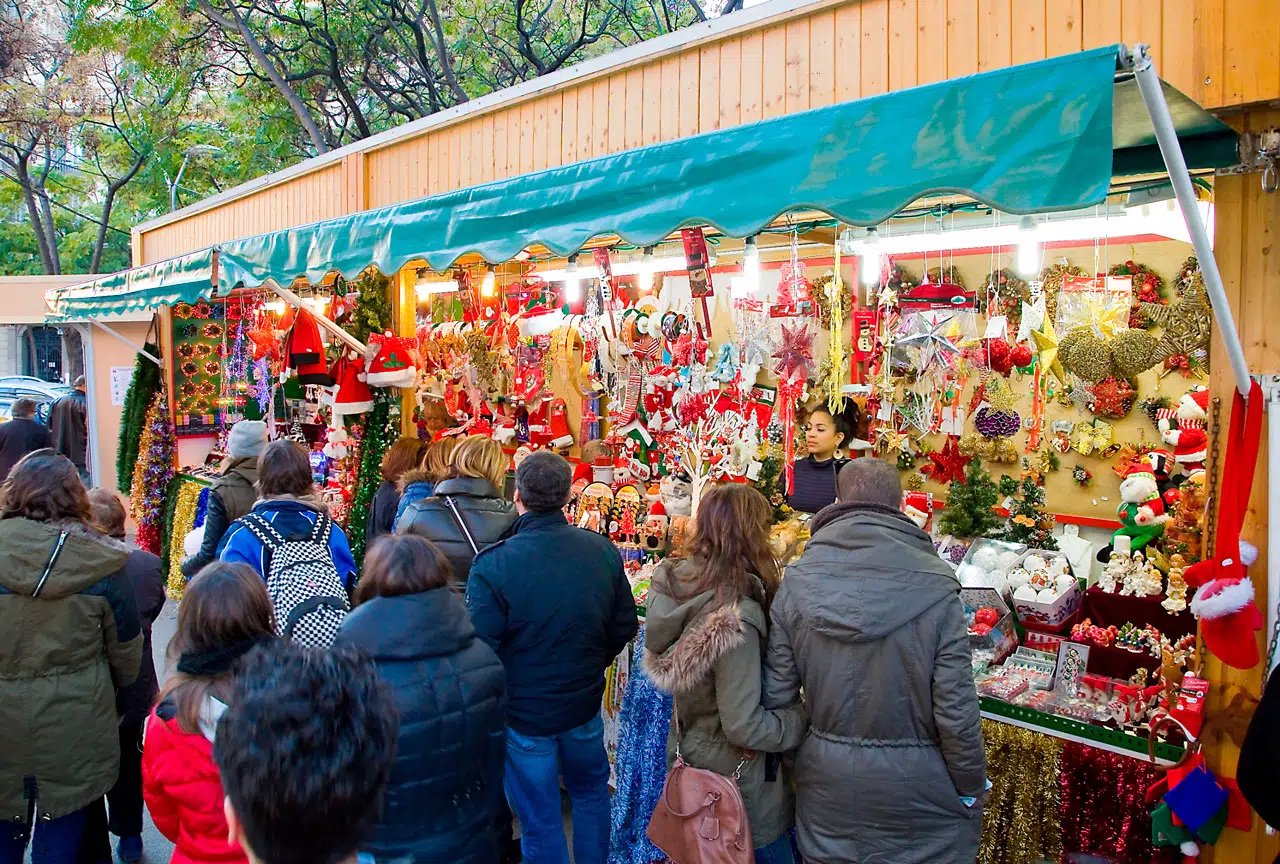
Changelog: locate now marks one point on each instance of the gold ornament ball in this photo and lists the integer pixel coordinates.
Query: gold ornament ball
(1068, 343)
(1090, 358)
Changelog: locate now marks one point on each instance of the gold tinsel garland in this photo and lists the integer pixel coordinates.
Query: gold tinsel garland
(1021, 823)
(184, 520)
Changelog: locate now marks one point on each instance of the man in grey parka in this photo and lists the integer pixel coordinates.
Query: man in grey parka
(870, 625)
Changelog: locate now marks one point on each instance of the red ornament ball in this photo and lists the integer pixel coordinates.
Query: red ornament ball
(987, 615)
(1000, 356)
(1021, 356)
(980, 629)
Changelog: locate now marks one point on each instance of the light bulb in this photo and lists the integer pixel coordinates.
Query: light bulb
(645, 273)
(751, 265)
(572, 282)
(490, 284)
(869, 258)
(1028, 263)
(276, 307)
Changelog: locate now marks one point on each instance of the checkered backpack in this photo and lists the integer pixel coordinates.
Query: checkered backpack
(307, 594)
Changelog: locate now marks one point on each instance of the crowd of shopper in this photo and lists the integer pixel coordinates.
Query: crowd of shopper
(458, 684)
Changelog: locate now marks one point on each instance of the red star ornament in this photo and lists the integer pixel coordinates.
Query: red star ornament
(265, 344)
(795, 354)
(948, 463)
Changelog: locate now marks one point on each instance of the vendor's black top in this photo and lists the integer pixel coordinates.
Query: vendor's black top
(555, 604)
(19, 437)
(479, 505)
(449, 687)
(815, 483)
(382, 512)
(1260, 757)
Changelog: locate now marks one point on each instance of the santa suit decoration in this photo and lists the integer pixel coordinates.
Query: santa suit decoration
(350, 393)
(1184, 429)
(304, 350)
(1142, 512)
(1229, 619)
(391, 361)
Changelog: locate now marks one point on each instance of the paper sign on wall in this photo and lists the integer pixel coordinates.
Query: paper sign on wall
(121, 377)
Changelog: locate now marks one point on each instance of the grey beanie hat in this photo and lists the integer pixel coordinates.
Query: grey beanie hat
(247, 438)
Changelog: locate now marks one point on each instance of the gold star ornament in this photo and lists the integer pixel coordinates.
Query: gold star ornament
(1187, 323)
(1047, 345)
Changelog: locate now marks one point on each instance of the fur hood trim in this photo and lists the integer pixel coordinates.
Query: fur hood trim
(692, 659)
(416, 475)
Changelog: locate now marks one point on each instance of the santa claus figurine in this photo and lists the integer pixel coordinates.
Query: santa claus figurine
(1185, 431)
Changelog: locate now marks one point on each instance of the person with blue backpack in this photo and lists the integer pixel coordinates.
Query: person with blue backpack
(289, 539)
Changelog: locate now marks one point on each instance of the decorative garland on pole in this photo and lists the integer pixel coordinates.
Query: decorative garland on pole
(156, 449)
(380, 431)
(137, 399)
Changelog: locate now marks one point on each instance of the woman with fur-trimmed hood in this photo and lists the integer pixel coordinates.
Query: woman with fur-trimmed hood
(705, 635)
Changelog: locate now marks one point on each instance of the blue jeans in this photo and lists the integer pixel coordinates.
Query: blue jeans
(56, 841)
(534, 769)
(777, 852)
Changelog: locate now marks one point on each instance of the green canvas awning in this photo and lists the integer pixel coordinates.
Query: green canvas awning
(1041, 137)
(184, 279)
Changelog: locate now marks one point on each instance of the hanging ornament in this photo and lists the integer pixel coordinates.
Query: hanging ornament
(794, 360)
(928, 343)
(1112, 398)
(835, 293)
(948, 463)
(1147, 288)
(1188, 323)
(1047, 346)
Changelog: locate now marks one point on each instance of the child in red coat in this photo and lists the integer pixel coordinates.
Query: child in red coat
(224, 613)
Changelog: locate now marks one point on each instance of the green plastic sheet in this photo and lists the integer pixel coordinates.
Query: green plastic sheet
(177, 280)
(1040, 137)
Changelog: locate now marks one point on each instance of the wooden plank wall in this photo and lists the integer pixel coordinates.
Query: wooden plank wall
(1247, 231)
(837, 51)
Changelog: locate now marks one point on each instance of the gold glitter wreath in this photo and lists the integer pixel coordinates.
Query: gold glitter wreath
(1187, 323)
(184, 520)
(939, 275)
(818, 292)
(1091, 358)
(1020, 822)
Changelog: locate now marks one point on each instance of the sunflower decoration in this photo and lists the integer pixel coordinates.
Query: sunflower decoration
(211, 368)
(182, 310)
(189, 369)
(202, 309)
(1148, 287)
(187, 392)
(212, 330)
(185, 350)
(1051, 279)
(189, 331)
(1011, 291)
(818, 290)
(203, 350)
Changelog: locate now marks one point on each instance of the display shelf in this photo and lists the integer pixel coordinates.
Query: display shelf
(1110, 740)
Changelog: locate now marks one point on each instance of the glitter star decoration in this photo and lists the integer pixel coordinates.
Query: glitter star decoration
(948, 463)
(928, 343)
(266, 343)
(1047, 345)
(794, 354)
(1187, 323)
(1112, 398)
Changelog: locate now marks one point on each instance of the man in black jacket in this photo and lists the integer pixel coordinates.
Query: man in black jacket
(554, 603)
(68, 421)
(21, 435)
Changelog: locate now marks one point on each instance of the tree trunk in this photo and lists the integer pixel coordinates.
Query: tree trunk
(446, 64)
(51, 232)
(238, 25)
(33, 214)
(108, 201)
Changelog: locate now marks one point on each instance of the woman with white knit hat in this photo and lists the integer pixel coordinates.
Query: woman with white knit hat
(233, 493)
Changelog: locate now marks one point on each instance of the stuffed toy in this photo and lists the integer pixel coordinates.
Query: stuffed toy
(1142, 512)
(1224, 600)
(676, 494)
(1185, 430)
(337, 445)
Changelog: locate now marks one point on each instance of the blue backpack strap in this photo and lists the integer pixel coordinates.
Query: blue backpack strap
(266, 534)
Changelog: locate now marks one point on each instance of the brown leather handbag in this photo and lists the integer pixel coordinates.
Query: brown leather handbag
(700, 817)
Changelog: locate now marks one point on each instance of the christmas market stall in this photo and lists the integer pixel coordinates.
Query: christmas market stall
(1007, 290)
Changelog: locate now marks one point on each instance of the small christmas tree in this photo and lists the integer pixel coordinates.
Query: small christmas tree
(969, 504)
(1028, 523)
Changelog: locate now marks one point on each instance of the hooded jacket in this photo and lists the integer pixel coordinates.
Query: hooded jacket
(414, 486)
(487, 516)
(146, 574)
(66, 642)
(293, 518)
(231, 497)
(450, 691)
(710, 658)
(869, 622)
(183, 790)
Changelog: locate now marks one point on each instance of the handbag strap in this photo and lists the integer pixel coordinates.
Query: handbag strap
(747, 755)
(466, 532)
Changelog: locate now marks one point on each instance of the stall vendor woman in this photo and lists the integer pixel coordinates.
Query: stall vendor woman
(827, 438)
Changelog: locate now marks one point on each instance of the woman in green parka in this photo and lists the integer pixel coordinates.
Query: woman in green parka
(69, 636)
(705, 637)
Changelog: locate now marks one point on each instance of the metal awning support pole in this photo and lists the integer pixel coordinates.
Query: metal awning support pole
(1149, 83)
(134, 345)
(296, 302)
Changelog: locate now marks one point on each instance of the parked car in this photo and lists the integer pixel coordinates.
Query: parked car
(15, 387)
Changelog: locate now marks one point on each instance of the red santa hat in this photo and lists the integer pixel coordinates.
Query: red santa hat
(392, 361)
(1192, 446)
(1200, 397)
(582, 471)
(304, 350)
(349, 394)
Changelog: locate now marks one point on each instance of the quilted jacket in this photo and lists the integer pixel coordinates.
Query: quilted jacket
(480, 506)
(184, 793)
(445, 788)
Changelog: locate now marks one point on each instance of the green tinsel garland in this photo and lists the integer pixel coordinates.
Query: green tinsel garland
(142, 389)
(380, 430)
(372, 312)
